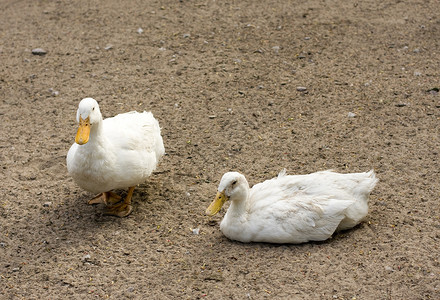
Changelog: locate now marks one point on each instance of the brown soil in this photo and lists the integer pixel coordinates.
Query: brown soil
(221, 78)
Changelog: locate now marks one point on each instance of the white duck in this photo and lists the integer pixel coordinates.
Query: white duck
(292, 208)
(118, 152)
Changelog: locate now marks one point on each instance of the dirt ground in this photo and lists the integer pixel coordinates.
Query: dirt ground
(222, 78)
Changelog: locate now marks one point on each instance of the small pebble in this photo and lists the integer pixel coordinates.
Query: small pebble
(276, 49)
(389, 269)
(108, 47)
(140, 30)
(351, 115)
(130, 289)
(47, 204)
(382, 203)
(416, 73)
(186, 35)
(53, 92)
(15, 269)
(39, 51)
(433, 91)
(162, 49)
(212, 116)
(195, 231)
(86, 257)
(307, 38)
(2, 244)
(301, 89)
(417, 50)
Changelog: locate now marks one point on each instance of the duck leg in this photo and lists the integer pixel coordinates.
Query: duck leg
(123, 208)
(107, 198)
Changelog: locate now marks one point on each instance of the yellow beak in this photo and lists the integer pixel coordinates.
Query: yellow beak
(217, 204)
(82, 136)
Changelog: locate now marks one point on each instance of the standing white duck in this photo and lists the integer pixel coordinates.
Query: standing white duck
(118, 152)
(292, 208)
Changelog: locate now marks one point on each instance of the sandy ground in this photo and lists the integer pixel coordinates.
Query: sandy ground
(221, 77)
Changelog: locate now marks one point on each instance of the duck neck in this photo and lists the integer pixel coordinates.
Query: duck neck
(239, 203)
(96, 136)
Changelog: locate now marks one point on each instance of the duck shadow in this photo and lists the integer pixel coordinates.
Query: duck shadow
(77, 221)
(341, 236)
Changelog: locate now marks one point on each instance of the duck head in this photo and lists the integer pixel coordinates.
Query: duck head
(234, 186)
(87, 115)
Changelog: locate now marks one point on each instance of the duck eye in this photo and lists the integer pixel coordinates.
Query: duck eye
(93, 108)
(234, 182)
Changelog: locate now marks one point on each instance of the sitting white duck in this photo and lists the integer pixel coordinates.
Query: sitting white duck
(118, 152)
(292, 208)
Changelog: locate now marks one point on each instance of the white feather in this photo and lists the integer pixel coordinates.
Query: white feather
(121, 152)
(295, 208)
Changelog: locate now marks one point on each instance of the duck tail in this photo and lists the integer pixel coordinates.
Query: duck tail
(373, 179)
(368, 183)
(282, 173)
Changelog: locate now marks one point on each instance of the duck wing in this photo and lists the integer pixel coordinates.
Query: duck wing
(286, 209)
(133, 131)
(135, 141)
